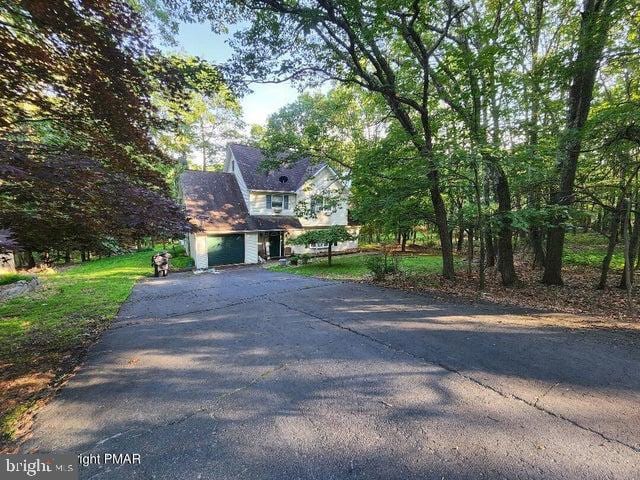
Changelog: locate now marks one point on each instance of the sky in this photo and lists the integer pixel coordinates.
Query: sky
(198, 39)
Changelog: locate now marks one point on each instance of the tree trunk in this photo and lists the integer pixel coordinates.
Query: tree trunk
(481, 226)
(535, 232)
(505, 234)
(627, 263)
(460, 238)
(403, 242)
(634, 243)
(536, 238)
(490, 245)
(594, 28)
(613, 240)
(443, 232)
(329, 254)
(470, 251)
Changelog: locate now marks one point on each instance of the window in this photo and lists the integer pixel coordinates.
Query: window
(321, 204)
(233, 166)
(278, 201)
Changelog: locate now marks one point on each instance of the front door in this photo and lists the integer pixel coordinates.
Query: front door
(275, 244)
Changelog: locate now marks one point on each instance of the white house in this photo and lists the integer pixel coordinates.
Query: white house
(246, 213)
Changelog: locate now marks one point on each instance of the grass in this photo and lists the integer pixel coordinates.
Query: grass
(352, 267)
(7, 278)
(588, 249)
(40, 330)
(581, 249)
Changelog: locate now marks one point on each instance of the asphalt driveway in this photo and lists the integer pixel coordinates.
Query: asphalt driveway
(251, 374)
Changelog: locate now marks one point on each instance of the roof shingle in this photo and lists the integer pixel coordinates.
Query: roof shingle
(214, 202)
(249, 161)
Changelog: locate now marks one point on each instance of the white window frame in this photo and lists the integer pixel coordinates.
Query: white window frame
(281, 197)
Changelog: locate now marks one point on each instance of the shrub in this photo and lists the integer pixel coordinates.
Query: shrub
(293, 259)
(381, 265)
(305, 258)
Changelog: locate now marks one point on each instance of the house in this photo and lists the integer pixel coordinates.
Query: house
(246, 214)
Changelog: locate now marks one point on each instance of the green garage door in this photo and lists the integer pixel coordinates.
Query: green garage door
(225, 249)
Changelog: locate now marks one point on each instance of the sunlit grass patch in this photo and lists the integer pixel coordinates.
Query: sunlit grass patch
(353, 267)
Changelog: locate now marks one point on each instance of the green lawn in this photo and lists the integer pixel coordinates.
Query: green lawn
(353, 266)
(588, 249)
(7, 278)
(38, 330)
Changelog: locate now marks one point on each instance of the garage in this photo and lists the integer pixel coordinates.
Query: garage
(225, 249)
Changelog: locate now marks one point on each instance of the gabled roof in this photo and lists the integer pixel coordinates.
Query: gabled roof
(213, 201)
(249, 161)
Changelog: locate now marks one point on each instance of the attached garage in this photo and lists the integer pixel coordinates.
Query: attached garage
(225, 249)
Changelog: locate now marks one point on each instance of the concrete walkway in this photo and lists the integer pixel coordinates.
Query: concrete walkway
(251, 374)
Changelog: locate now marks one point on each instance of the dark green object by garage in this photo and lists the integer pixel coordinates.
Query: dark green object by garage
(225, 249)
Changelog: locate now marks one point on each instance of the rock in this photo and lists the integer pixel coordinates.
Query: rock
(18, 288)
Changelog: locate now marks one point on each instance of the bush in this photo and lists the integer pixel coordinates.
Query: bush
(305, 258)
(381, 265)
(293, 259)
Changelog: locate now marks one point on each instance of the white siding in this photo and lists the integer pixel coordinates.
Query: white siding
(324, 182)
(230, 166)
(258, 204)
(191, 239)
(199, 251)
(250, 248)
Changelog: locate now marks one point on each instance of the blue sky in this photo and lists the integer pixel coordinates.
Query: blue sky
(198, 39)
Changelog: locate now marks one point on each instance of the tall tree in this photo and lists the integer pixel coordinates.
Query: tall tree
(597, 17)
(384, 48)
(77, 81)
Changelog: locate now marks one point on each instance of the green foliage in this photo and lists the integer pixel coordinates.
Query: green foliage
(336, 233)
(305, 258)
(83, 297)
(382, 264)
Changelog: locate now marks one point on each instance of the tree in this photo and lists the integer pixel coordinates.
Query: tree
(78, 124)
(204, 124)
(385, 49)
(597, 18)
(329, 236)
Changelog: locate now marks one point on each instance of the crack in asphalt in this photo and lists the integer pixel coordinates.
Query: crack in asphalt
(213, 407)
(467, 377)
(241, 301)
(186, 416)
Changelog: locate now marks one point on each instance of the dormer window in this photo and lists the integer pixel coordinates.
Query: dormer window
(277, 202)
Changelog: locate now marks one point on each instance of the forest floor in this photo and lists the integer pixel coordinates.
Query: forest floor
(44, 334)
(575, 304)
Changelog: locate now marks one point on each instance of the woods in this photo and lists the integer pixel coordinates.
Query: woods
(498, 126)
(506, 122)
